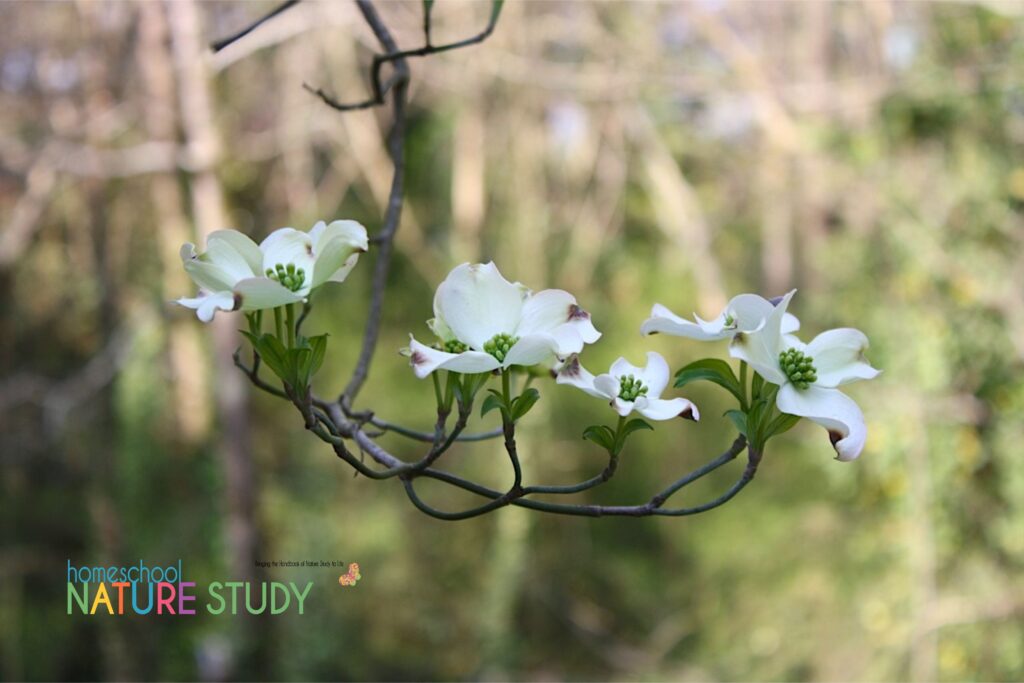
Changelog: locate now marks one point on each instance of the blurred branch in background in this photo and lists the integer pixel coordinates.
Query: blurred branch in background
(219, 45)
(201, 138)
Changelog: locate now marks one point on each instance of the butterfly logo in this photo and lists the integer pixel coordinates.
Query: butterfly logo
(349, 578)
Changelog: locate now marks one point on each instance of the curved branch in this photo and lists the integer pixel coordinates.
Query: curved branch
(428, 437)
(499, 499)
(332, 427)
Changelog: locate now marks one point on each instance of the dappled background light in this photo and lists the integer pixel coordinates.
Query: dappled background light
(865, 153)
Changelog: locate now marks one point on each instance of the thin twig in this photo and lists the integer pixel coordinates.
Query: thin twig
(396, 147)
(219, 45)
(393, 54)
(428, 437)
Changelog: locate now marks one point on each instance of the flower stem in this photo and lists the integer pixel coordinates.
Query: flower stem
(743, 385)
(290, 311)
(278, 323)
(437, 390)
(506, 386)
(449, 388)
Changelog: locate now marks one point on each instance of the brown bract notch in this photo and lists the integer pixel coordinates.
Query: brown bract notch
(571, 367)
(238, 301)
(577, 313)
(687, 413)
(834, 436)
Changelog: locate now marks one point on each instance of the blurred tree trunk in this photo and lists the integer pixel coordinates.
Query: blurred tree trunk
(503, 587)
(293, 131)
(203, 148)
(469, 197)
(679, 214)
(189, 386)
(811, 65)
(774, 176)
(96, 441)
(775, 180)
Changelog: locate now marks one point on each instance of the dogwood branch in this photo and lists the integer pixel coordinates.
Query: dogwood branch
(340, 426)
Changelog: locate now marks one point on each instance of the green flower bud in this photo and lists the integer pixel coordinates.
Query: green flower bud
(499, 345)
(798, 368)
(631, 388)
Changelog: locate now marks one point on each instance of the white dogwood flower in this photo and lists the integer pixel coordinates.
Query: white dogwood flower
(628, 388)
(235, 274)
(743, 313)
(484, 322)
(302, 261)
(229, 277)
(808, 375)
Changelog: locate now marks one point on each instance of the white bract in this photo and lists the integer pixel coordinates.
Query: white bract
(303, 261)
(235, 274)
(627, 388)
(743, 313)
(484, 322)
(808, 374)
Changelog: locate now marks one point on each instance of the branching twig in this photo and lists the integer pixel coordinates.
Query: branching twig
(219, 45)
(393, 54)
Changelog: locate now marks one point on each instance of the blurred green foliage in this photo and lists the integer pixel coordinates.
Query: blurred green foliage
(902, 216)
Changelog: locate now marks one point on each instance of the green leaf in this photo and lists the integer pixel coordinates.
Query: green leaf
(476, 382)
(711, 370)
(272, 352)
(633, 425)
(780, 425)
(521, 405)
(491, 402)
(253, 337)
(757, 418)
(298, 366)
(601, 435)
(629, 428)
(755, 385)
(319, 346)
(458, 389)
(739, 418)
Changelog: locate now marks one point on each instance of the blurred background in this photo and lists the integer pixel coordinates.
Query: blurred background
(868, 153)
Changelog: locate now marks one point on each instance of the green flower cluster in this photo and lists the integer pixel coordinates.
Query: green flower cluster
(799, 368)
(454, 346)
(289, 277)
(499, 345)
(630, 388)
